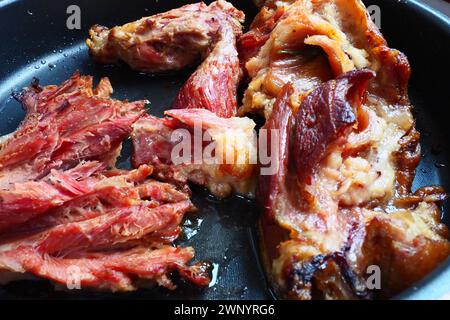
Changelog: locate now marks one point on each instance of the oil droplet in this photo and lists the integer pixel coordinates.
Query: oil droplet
(214, 274)
(191, 227)
(29, 12)
(43, 62)
(65, 55)
(439, 165)
(51, 65)
(37, 67)
(243, 292)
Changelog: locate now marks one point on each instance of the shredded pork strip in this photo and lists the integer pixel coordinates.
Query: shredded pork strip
(62, 208)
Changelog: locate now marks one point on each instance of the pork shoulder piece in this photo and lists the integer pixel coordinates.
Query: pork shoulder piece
(167, 41)
(178, 39)
(63, 208)
(222, 162)
(334, 209)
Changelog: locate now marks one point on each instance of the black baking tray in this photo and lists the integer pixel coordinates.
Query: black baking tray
(35, 42)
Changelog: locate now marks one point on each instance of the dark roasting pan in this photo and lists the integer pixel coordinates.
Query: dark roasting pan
(35, 42)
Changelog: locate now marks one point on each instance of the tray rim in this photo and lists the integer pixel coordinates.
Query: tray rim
(436, 285)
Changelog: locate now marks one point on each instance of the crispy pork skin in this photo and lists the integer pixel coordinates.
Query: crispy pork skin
(325, 116)
(225, 169)
(178, 39)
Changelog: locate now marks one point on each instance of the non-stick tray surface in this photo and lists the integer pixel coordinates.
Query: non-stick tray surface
(35, 42)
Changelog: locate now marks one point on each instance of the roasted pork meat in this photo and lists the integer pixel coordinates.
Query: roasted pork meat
(347, 211)
(178, 39)
(167, 41)
(64, 207)
(341, 201)
(197, 146)
(213, 86)
(307, 43)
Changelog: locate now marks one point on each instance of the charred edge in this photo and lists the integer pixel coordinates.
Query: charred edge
(17, 95)
(202, 269)
(305, 273)
(35, 85)
(407, 159)
(199, 274)
(350, 277)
